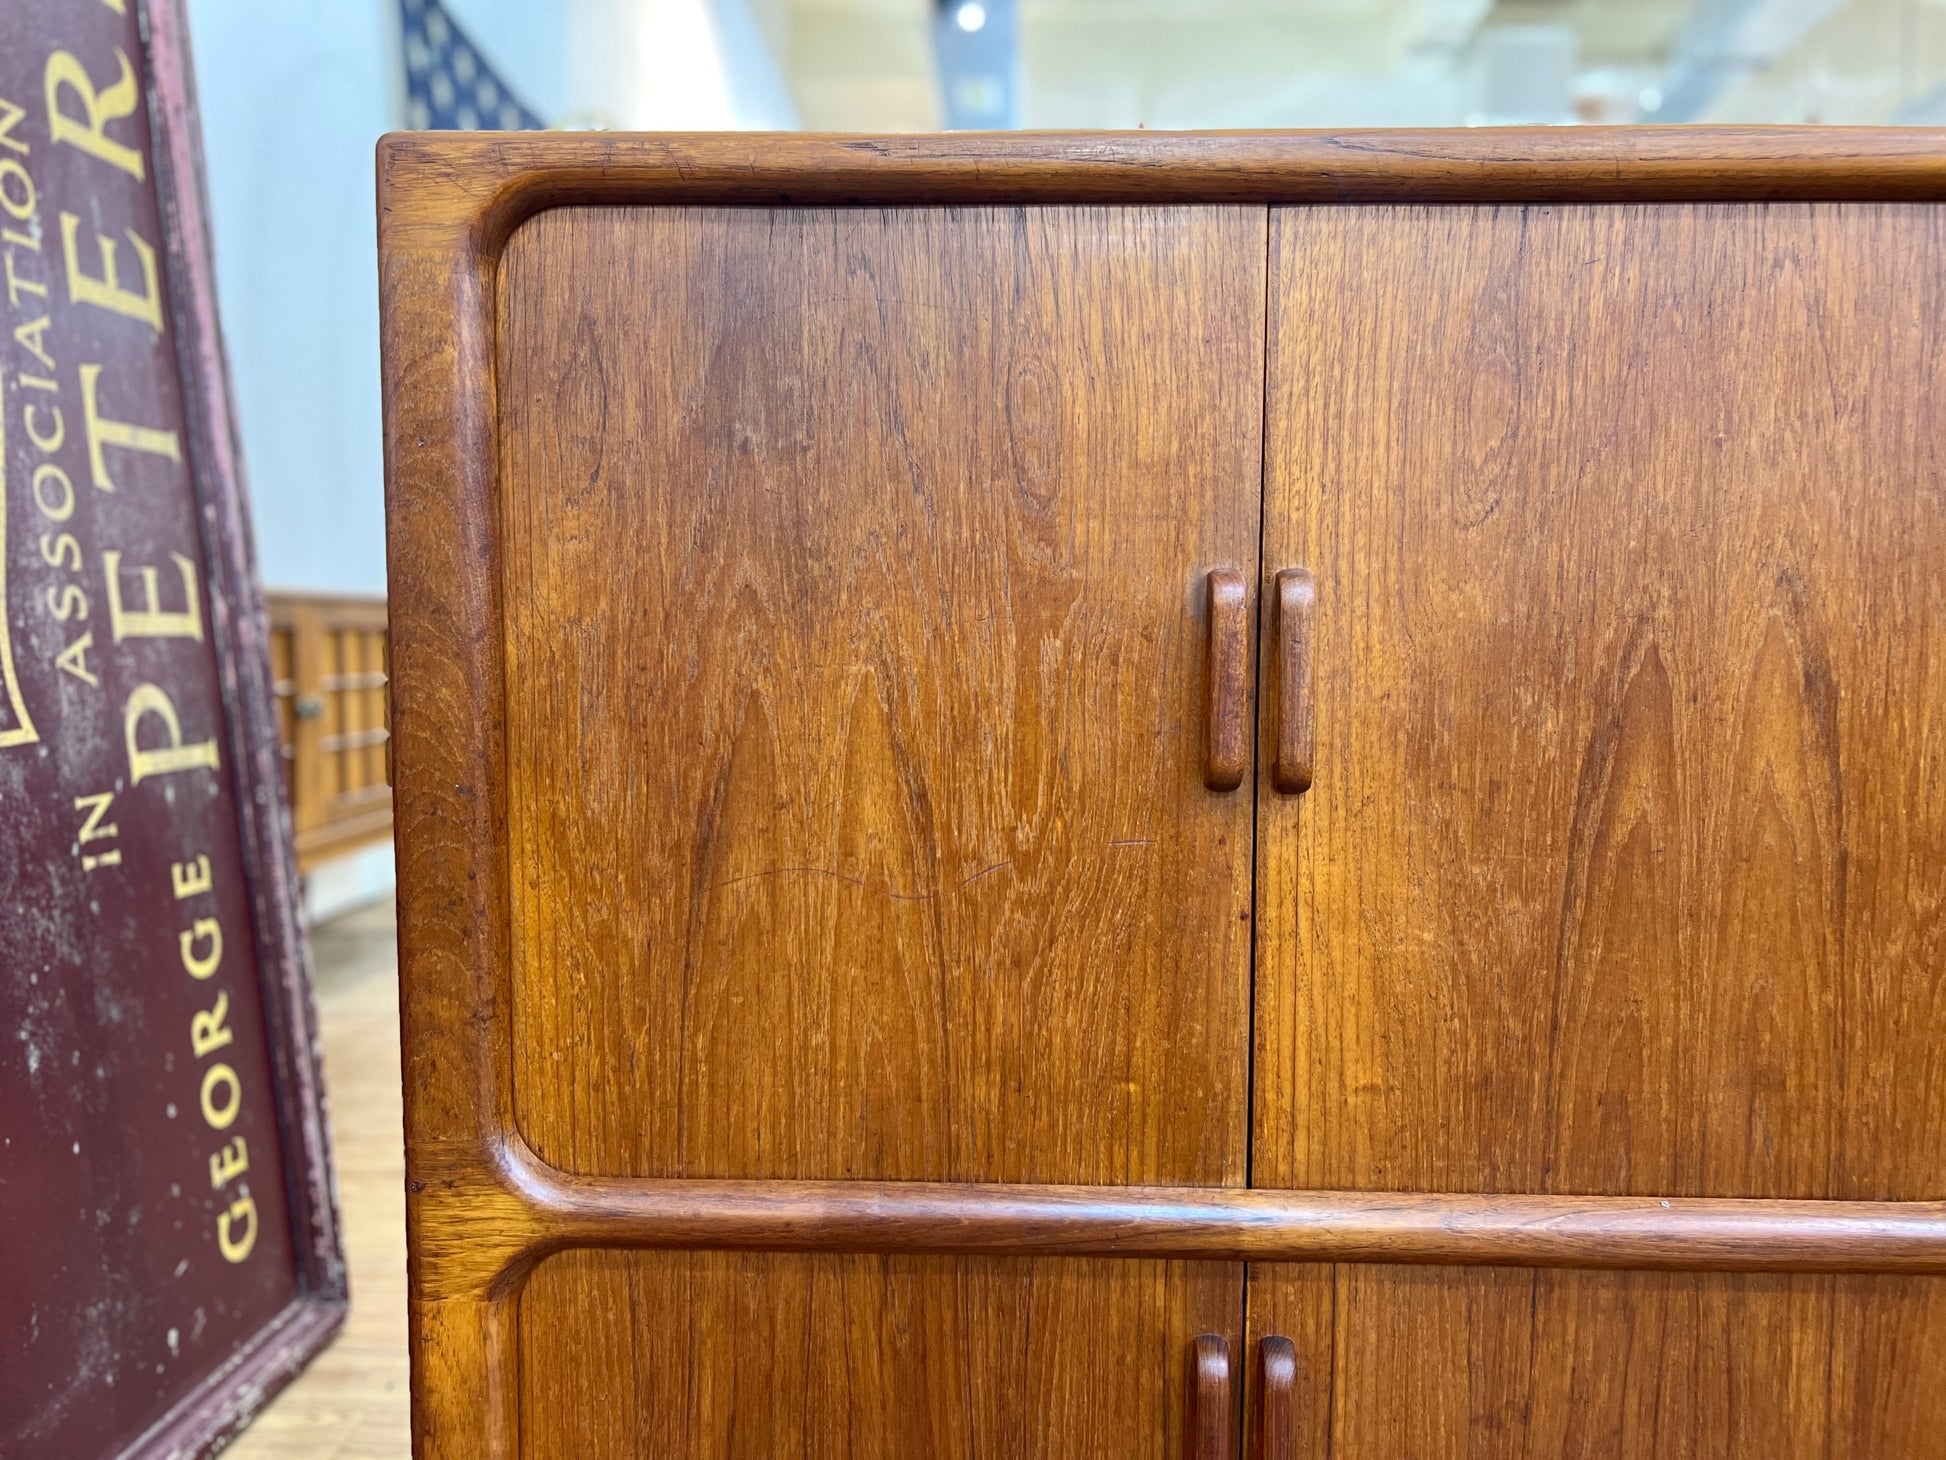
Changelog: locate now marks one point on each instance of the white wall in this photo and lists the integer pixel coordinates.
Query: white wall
(293, 96)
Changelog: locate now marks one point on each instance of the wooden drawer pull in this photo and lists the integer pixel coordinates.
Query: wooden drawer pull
(1277, 1425)
(1209, 1409)
(1290, 769)
(1229, 681)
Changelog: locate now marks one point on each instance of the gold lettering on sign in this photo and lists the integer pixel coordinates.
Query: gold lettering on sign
(92, 829)
(10, 114)
(61, 550)
(19, 729)
(61, 507)
(152, 622)
(67, 602)
(222, 1090)
(97, 807)
(50, 443)
(66, 74)
(104, 432)
(151, 699)
(201, 965)
(229, 1161)
(74, 660)
(207, 1031)
(15, 284)
(32, 333)
(105, 289)
(190, 878)
(235, 1249)
(100, 107)
(220, 1110)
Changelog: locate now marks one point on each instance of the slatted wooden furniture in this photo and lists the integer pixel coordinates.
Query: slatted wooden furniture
(1165, 795)
(328, 678)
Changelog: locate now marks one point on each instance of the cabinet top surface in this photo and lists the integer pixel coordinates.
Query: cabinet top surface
(433, 184)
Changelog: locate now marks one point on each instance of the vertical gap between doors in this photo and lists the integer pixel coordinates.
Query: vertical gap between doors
(1247, 1387)
(1256, 710)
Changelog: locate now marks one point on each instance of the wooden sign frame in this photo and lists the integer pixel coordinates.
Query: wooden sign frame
(222, 1401)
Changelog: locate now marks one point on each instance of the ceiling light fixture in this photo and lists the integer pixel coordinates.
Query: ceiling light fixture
(970, 16)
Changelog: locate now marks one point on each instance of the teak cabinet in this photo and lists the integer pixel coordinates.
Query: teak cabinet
(1156, 796)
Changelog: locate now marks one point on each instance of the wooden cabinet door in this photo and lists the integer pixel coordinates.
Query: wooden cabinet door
(1536, 1364)
(1621, 870)
(868, 1357)
(854, 592)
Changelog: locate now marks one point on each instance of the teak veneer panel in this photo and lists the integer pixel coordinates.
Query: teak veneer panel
(736, 1354)
(854, 600)
(1624, 869)
(1538, 1364)
(1624, 865)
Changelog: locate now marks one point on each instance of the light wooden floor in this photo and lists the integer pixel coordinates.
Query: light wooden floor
(351, 1404)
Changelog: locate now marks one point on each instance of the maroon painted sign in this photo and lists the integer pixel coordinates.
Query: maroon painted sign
(167, 1246)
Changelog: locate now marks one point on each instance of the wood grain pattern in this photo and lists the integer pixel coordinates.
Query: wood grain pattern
(1491, 1364)
(1626, 867)
(855, 657)
(1209, 1416)
(1625, 871)
(855, 663)
(878, 1358)
(1277, 1435)
(1293, 1304)
(1295, 594)
(1228, 741)
(481, 187)
(447, 684)
(1220, 1223)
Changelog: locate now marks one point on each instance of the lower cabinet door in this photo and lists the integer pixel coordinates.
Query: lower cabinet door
(1510, 1363)
(861, 1355)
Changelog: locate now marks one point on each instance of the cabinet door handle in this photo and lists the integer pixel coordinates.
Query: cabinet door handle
(1229, 680)
(1209, 1409)
(1290, 767)
(1277, 1424)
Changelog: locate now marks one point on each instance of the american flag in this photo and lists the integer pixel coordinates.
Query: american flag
(448, 87)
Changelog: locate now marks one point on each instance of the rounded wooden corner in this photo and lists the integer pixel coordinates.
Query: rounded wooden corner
(486, 184)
